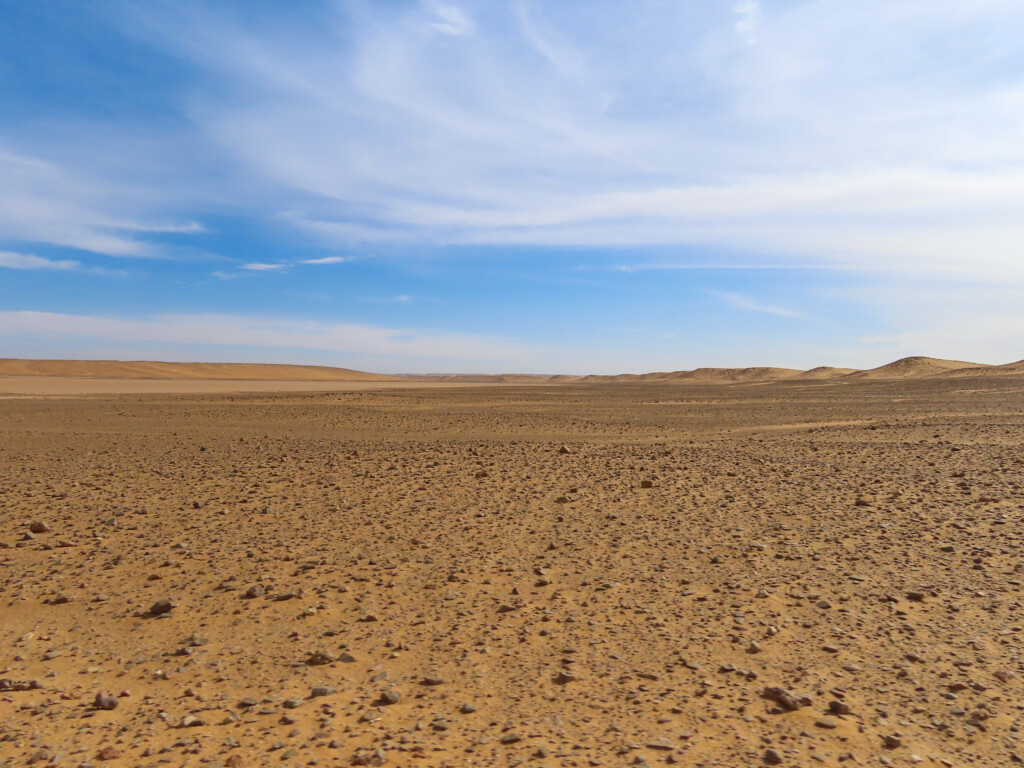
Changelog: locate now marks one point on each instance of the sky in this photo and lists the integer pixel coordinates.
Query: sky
(544, 186)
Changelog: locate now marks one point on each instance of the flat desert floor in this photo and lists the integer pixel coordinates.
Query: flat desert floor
(800, 574)
(61, 386)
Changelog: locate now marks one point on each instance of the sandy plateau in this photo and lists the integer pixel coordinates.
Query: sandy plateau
(817, 570)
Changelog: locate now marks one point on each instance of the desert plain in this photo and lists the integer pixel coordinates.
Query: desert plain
(799, 571)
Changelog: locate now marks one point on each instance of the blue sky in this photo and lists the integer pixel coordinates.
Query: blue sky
(553, 187)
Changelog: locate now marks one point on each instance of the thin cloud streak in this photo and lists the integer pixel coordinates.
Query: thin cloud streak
(744, 303)
(327, 260)
(11, 260)
(532, 124)
(258, 267)
(47, 202)
(261, 332)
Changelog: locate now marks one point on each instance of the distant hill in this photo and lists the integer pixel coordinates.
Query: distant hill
(144, 369)
(824, 372)
(990, 370)
(736, 374)
(905, 368)
(916, 368)
(485, 378)
(708, 375)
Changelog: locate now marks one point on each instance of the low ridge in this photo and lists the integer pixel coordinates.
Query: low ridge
(148, 369)
(825, 372)
(905, 368)
(915, 367)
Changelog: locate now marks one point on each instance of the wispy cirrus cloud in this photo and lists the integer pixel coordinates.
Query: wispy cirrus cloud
(448, 19)
(43, 201)
(747, 13)
(327, 260)
(746, 304)
(527, 123)
(261, 267)
(782, 130)
(284, 266)
(9, 260)
(30, 262)
(230, 330)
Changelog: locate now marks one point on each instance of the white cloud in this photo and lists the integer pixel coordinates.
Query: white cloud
(747, 13)
(984, 324)
(328, 260)
(27, 261)
(448, 19)
(48, 202)
(746, 304)
(827, 142)
(259, 267)
(268, 333)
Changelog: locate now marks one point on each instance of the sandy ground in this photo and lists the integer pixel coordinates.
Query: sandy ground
(60, 386)
(794, 574)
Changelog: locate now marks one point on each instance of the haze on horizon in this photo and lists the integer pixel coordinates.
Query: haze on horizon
(556, 187)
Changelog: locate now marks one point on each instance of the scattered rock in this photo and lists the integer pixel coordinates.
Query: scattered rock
(787, 699)
(160, 607)
(390, 697)
(105, 701)
(319, 659)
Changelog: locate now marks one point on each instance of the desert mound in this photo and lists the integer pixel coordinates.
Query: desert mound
(915, 368)
(703, 375)
(990, 370)
(146, 369)
(736, 374)
(825, 372)
(483, 378)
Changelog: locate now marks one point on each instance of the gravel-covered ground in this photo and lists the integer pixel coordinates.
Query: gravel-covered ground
(800, 574)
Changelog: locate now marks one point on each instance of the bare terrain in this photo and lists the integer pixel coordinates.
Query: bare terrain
(824, 569)
(155, 370)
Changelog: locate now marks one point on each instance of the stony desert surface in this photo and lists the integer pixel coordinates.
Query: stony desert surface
(813, 571)
(111, 370)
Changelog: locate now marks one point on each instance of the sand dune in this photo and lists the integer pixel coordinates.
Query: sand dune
(145, 369)
(915, 368)
(703, 375)
(219, 374)
(825, 372)
(482, 378)
(991, 370)
(737, 374)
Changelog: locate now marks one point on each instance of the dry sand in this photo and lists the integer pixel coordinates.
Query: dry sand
(58, 386)
(154, 370)
(803, 573)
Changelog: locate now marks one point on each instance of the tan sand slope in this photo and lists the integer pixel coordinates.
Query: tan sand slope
(915, 368)
(991, 370)
(825, 372)
(483, 378)
(708, 375)
(737, 374)
(145, 369)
